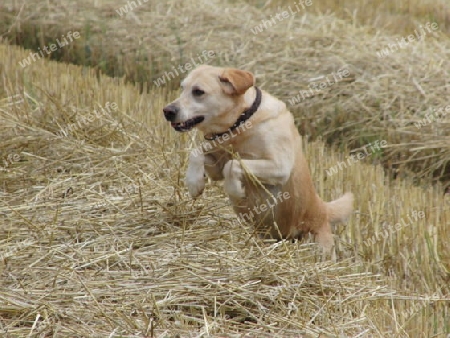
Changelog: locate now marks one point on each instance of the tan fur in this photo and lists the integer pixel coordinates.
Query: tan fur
(270, 160)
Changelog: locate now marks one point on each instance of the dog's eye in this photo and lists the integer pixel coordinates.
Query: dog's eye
(197, 92)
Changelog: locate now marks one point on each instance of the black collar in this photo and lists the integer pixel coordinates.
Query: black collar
(242, 118)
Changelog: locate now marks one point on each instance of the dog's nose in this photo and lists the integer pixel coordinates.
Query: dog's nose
(170, 112)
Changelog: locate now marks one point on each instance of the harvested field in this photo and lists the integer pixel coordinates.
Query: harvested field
(98, 237)
(388, 92)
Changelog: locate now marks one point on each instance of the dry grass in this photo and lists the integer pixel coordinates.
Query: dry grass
(98, 237)
(388, 95)
(397, 16)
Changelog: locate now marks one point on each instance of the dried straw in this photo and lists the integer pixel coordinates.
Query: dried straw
(98, 237)
(385, 100)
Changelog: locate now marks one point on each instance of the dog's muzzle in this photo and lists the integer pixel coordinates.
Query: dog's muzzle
(171, 112)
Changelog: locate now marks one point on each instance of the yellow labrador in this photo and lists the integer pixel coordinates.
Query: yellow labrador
(253, 145)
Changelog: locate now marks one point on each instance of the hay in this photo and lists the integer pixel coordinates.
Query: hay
(99, 238)
(386, 99)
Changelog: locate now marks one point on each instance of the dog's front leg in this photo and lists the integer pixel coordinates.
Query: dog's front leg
(195, 180)
(267, 171)
(233, 174)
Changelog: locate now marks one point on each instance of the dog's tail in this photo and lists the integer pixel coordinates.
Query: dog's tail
(339, 210)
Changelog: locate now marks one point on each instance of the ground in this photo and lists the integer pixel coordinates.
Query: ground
(98, 236)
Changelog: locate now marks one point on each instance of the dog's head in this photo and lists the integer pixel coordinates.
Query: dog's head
(211, 99)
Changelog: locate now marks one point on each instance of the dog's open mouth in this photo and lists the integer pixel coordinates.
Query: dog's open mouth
(188, 124)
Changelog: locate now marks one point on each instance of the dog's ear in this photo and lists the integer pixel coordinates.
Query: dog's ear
(236, 81)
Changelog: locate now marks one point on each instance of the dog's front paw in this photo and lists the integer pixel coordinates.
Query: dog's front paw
(195, 175)
(232, 172)
(195, 185)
